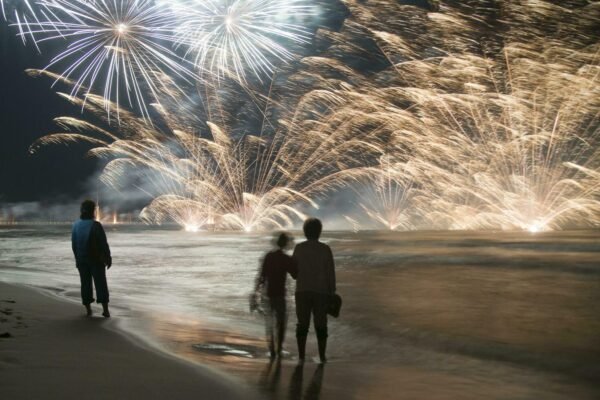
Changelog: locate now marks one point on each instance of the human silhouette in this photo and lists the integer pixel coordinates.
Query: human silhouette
(315, 283)
(92, 256)
(273, 274)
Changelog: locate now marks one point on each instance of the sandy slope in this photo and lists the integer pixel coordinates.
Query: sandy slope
(54, 352)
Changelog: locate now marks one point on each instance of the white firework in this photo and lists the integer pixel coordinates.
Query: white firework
(23, 14)
(230, 37)
(118, 48)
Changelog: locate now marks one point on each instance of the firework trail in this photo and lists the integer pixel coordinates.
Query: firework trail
(452, 118)
(118, 48)
(127, 49)
(22, 4)
(387, 193)
(229, 37)
(508, 141)
(215, 180)
(24, 15)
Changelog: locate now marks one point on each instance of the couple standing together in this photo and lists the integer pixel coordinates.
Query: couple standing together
(311, 265)
(313, 268)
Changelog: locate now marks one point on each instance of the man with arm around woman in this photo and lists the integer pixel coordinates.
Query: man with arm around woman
(313, 268)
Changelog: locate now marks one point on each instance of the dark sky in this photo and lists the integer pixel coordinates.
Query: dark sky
(28, 107)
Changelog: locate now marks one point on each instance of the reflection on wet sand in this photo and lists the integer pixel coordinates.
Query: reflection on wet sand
(271, 376)
(313, 391)
(296, 391)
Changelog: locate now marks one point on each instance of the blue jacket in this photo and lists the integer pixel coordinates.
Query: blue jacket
(89, 244)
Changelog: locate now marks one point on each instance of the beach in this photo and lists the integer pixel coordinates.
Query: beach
(54, 352)
(426, 315)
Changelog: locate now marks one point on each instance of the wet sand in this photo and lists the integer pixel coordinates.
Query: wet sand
(403, 365)
(56, 353)
(53, 352)
(483, 324)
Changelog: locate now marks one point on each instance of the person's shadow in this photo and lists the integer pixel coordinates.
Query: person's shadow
(313, 390)
(271, 375)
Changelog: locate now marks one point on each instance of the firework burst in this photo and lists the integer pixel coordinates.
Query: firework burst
(120, 49)
(502, 142)
(128, 49)
(387, 194)
(226, 38)
(494, 131)
(217, 180)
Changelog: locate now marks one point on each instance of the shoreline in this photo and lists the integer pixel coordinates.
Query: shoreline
(140, 365)
(184, 372)
(54, 351)
(469, 318)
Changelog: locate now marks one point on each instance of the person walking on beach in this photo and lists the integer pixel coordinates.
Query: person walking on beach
(92, 256)
(315, 283)
(272, 274)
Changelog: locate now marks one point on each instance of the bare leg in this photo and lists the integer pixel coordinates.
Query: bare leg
(303, 311)
(301, 340)
(322, 347)
(105, 312)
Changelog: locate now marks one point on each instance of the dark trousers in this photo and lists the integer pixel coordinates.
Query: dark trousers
(97, 272)
(276, 322)
(315, 304)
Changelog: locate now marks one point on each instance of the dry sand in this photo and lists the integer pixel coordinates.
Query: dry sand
(54, 352)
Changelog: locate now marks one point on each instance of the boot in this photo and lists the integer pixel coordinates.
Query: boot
(301, 347)
(322, 347)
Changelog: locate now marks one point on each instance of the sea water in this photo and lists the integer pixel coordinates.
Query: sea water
(493, 314)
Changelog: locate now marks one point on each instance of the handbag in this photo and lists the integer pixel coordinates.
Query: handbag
(334, 305)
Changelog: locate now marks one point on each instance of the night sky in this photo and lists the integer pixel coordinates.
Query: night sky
(29, 105)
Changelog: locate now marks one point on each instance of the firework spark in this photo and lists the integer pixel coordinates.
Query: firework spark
(494, 132)
(112, 47)
(24, 15)
(215, 180)
(387, 194)
(229, 37)
(504, 143)
(127, 50)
